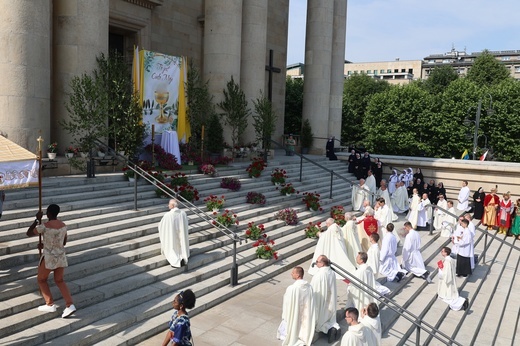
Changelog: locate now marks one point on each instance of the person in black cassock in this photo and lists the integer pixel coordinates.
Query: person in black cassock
(378, 172)
(329, 149)
(352, 161)
(478, 203)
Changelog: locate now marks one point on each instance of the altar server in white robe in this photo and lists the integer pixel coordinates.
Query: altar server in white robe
(360, 193)
(350, 234)
(364, 274)
(447, 285)
(325, 299)
(413, 214)
(440, 215)
(383, 192)
(412, 260)
(456, 236)
(370, 319)
(174, 236)
(400, 202)
(382, 215)
(373, 254)
(423, 211)
(389, 266)
(372, 186)
(463, 197)
(331, 244)
(357, 334)
(472, 230)
(464, 255)
(298, 313)
(449, 223)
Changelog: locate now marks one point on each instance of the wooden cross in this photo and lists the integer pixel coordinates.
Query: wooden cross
(270, 68)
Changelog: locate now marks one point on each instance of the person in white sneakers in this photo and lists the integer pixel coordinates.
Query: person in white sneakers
(54, 236)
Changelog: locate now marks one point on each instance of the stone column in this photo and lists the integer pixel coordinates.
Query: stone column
(222, 44)
(25, 86)
(222, 47)
(80, 35)
(318, 60)
(254, 42)
(337, 68)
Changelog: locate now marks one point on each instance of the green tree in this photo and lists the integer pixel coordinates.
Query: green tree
(439, 79)
(357, 92)
(200, 104)
(487, 70)
(236, 112)
(293, 105)
(264, 120)
(215, 135)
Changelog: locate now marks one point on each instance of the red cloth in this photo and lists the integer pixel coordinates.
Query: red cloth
(491, 198)
(370, 225)
(504, 214)
(440, 264)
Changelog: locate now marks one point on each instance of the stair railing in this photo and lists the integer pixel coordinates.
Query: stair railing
(329, 171)
(208, 218)
(397, 308)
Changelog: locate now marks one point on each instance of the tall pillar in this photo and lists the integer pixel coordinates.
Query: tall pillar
(318, 60)
(25, 86)
(80, 35)
(337, 68)
(222, 46)
(254, 43)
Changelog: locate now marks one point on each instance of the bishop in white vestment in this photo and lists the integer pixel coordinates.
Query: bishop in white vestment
(325, 299)
(174, 236)
(364, 274)
(350, 234)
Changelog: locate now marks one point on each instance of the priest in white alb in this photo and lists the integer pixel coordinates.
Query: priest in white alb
(440, 215)
(447, 286)
(383, 192)
(412, 260)
(372, 186)
(325, 299)
(298, 314)
(360, 193)
(413, 214)
(463, 197)
(174, 236)
(389, 266)
(350, 235)
(400, 202)
(364, 274)
(424, 211)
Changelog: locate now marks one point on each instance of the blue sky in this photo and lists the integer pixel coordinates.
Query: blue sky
(382, 30)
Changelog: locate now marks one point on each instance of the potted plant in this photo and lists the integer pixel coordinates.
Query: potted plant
(264, 120)
(312, 230)
(337, 212)
(287, 189)
(188, 192)
(265, 249)
(255, 232)
(288, 215)
(208, 169)
(312, 200)
(70, 151)
(227, 218)
(101, 151)
(52, 150)
(128, 173)
(232, 184)
(214, 203)
(307, 137)
(256, 167)
(278, 176)
(255, 198)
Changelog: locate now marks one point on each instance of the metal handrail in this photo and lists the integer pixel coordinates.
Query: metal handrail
(397, 308)
(185, 203)
(331, 172)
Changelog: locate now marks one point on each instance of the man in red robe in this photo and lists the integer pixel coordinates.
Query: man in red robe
(504, 214)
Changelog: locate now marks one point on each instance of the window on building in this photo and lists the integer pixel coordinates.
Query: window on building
(349, 73)
(506, 58)
(381, 71)
(410, 70)
(369, 71)
(388, 71)
(396, 70)
(517, 69)
(403, 70)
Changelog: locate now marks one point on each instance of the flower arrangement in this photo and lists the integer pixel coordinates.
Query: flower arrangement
(52, 148)
(312, 230)
(164, 158)
(227, 218)
(179, 179)
(188, 192)
(337, 212)
(189, 154)
(256, 168)
(287, 189)
(312, 200)
(232, 184)
(265, 249)
(255, 232)
(255, 198)
(208, 169)
(288, 215)
(101, 149)
(158, 175)
(71, 150)
(214, 203)
(128, 173)
(278, 176)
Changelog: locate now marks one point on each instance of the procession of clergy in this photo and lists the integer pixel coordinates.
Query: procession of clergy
(367, 245)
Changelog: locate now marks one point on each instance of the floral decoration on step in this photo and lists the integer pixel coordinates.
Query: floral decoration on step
(287, 189)
(288, 215)
(226, 218)
(337, 212)
(232, 184)
(312, 230)
(208, 169)
(278, 176)
(312, 201)
(255, 198)
(265, 249)
(213, 202)
(256, 167)
(255, 232)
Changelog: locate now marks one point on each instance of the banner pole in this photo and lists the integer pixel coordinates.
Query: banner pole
(40, 170)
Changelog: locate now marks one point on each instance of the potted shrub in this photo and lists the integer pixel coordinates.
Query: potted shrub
(70, 151)
(52, 150)
(255, 232)
(287, 189)
(265, 249)
(312, 201)
(255, 198)
(307, 137)
(215, 137)
(255, 168)
(288, 215)
(312, 230)
(227, 218)
(337, 212)
(208, 169)
(232, 184)
(214, 203)
(278, 176)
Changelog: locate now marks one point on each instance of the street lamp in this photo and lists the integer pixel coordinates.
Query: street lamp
(477, 122)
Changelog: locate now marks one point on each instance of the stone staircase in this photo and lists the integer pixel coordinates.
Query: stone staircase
(120, 282)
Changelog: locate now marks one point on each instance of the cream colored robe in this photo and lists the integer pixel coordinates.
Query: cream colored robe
(447, 286)
(325, 299)
(173, 233)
